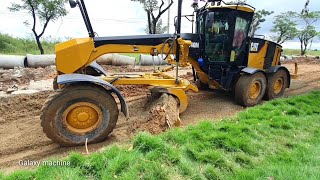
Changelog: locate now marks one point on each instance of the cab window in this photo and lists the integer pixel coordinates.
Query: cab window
(240, 34)
(217, 35)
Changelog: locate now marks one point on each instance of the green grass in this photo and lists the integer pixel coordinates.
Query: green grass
(21, 46)
(279, 139)
(291, 52)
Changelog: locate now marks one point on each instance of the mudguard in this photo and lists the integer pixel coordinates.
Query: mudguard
(98, 68)
(274, 69)
(251, 70)
(82, 78)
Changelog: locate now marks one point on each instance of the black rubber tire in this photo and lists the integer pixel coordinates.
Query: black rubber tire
(243, 86)
(272, 78)
(57, 103)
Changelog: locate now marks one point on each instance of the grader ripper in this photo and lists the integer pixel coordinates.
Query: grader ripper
(220, 52)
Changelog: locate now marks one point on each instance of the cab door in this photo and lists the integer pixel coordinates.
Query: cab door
(218, 38)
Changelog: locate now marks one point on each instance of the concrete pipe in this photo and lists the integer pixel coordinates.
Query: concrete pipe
(146, 60)
(35, 61)
(105, 59)
(11, 61)
(120, 60)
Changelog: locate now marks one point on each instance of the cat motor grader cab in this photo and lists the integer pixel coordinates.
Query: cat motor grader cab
(82, 109)
(229, 59)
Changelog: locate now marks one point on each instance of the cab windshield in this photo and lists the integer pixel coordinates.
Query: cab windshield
(224, 38)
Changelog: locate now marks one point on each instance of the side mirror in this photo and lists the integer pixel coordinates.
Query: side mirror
(73, 3)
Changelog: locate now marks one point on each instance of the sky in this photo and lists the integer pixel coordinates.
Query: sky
(124, 17)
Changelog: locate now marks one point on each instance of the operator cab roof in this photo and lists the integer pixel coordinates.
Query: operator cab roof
(240, 7)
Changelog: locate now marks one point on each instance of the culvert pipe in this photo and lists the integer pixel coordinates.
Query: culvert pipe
(12, 61)
(36, 61)
(147, 60)
(120, 60)
(105, 59)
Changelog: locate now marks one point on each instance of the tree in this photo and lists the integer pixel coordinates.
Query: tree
(160, 29)
(258, 18)
(284, 27)
(307, 31)
(43, 11)
(151, 6)
(305, 10)
(305, 36)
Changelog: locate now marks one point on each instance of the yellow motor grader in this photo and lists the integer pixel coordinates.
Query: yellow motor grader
(220, 52)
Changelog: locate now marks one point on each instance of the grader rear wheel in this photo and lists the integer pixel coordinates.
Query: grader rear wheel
(79, 112)
(250, 89)
(277, 84)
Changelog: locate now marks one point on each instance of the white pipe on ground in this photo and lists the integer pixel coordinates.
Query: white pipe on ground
(12, 61)
(147, 60)
(35, 61)
(105, 59)
(120, 60)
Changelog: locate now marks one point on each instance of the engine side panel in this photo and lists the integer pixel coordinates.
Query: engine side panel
(263, 54)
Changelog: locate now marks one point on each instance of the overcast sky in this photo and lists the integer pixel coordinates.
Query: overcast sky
(123, 17)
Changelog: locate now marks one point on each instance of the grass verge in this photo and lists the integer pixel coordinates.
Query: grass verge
(297, 52)
(279, 139)
(21, 46)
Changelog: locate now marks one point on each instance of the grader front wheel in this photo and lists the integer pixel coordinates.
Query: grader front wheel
(250, 89)
(79, 112)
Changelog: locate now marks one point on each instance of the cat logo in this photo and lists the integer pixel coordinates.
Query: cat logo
(195, 45)
(254, 47)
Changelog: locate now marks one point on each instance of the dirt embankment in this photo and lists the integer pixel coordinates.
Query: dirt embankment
(13, 78)
(22, 137)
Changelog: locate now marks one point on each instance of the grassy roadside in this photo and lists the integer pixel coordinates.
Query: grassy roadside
(279, 139)
(21, 46)
(296, 52)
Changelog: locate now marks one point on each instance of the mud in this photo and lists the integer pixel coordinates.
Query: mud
(16, 107)
(132, 91)
(22, 137)
(303, 60)
(163, 115)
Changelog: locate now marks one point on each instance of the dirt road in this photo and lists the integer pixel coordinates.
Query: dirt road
(22, 137)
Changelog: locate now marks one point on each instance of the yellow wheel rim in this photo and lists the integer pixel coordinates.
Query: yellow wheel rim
(82, 117)
(255, 90)
(277, 86)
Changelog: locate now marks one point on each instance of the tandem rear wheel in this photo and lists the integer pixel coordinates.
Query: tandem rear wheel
(277, 84)
(78, 113)
(250, 89)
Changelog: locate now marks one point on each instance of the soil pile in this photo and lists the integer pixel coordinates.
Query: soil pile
(163, 115)
(13, 78)
(133, 90)
(303, 60)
